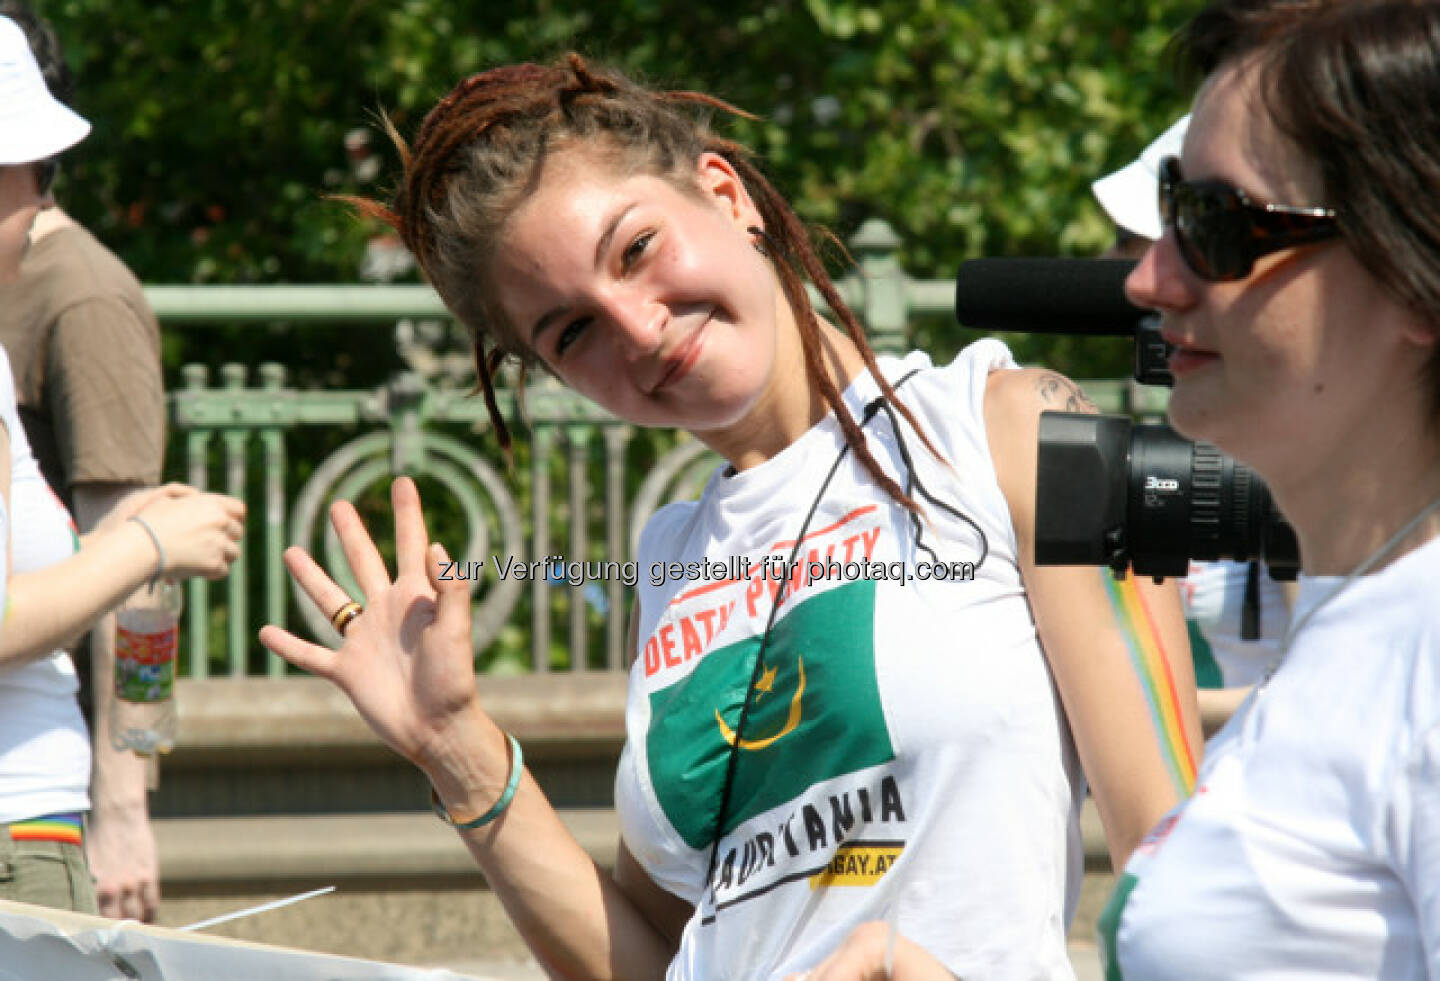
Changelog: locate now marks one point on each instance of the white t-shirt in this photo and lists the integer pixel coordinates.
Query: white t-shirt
(44, 749)
(904, 753)
(1311, 847)
(1213, 595)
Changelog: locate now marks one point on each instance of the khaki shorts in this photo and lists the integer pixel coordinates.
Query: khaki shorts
(46, 873)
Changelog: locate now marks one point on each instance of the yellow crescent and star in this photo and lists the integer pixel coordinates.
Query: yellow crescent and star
(764, 685)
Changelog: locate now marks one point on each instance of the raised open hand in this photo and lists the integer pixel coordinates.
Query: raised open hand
(406, 661)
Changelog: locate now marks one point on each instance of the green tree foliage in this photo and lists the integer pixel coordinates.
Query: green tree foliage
(973, 127)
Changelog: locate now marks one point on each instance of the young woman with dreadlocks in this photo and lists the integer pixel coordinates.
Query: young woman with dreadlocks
(814, 741)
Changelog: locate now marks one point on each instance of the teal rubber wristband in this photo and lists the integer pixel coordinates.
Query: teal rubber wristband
(517, 766)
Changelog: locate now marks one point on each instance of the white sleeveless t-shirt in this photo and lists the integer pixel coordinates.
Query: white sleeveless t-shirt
(904, 755)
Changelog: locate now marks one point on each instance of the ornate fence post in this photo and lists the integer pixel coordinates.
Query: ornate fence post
(197, 443)
(542, 443)
(616, 439)
(884, 308)
(272, 442)
(577, 454)
(236, 437)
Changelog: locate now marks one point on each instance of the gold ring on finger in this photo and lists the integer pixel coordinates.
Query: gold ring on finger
(341, 618)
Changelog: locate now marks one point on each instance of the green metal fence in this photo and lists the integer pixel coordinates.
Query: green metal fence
(407, 425)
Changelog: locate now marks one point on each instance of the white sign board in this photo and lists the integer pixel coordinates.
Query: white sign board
(48, 945)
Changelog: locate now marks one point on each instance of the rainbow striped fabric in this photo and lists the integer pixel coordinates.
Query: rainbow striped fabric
(64, 828)
(1143, 639)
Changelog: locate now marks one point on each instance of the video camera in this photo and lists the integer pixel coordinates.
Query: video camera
(1108, 491)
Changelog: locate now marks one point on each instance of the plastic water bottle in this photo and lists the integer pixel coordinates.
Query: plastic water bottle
(147, 639)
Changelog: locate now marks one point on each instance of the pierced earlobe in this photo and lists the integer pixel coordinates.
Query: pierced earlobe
(762, 242)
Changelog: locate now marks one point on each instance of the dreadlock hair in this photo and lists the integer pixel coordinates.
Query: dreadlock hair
(480, 153)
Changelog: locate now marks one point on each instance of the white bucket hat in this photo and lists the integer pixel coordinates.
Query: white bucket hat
(33, 125)
(1130, 196)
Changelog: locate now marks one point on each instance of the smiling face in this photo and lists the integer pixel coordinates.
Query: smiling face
(1280, 368)
(647, 295)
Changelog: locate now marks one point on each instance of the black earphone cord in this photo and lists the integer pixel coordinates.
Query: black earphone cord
(912, 483)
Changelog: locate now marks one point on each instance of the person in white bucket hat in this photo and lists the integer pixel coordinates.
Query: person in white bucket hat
(34, 127)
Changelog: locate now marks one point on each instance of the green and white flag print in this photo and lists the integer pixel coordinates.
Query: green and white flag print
(815, 714)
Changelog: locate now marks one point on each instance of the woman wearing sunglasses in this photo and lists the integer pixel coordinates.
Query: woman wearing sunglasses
(1299, 280)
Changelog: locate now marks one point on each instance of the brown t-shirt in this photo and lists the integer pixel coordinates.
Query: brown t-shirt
(85, 349)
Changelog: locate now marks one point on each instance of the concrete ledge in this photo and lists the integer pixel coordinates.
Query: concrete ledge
(295, 745)
(289, 753)
(233, 720)
(341, 846)
(403, 845)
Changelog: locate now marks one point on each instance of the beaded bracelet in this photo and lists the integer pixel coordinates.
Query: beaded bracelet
(517, 766)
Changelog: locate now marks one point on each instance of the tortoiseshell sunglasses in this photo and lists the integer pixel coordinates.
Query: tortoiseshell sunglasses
(1221, 231)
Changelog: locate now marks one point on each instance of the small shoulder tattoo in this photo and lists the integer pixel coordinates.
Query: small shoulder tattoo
(1062, 393)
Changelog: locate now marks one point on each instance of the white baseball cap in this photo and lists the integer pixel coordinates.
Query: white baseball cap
(1130, 196)
(33, 124)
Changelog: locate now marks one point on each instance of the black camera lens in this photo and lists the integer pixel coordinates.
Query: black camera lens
(1110, 492)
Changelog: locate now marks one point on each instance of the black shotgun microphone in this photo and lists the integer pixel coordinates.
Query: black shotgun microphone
(1047, 296)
